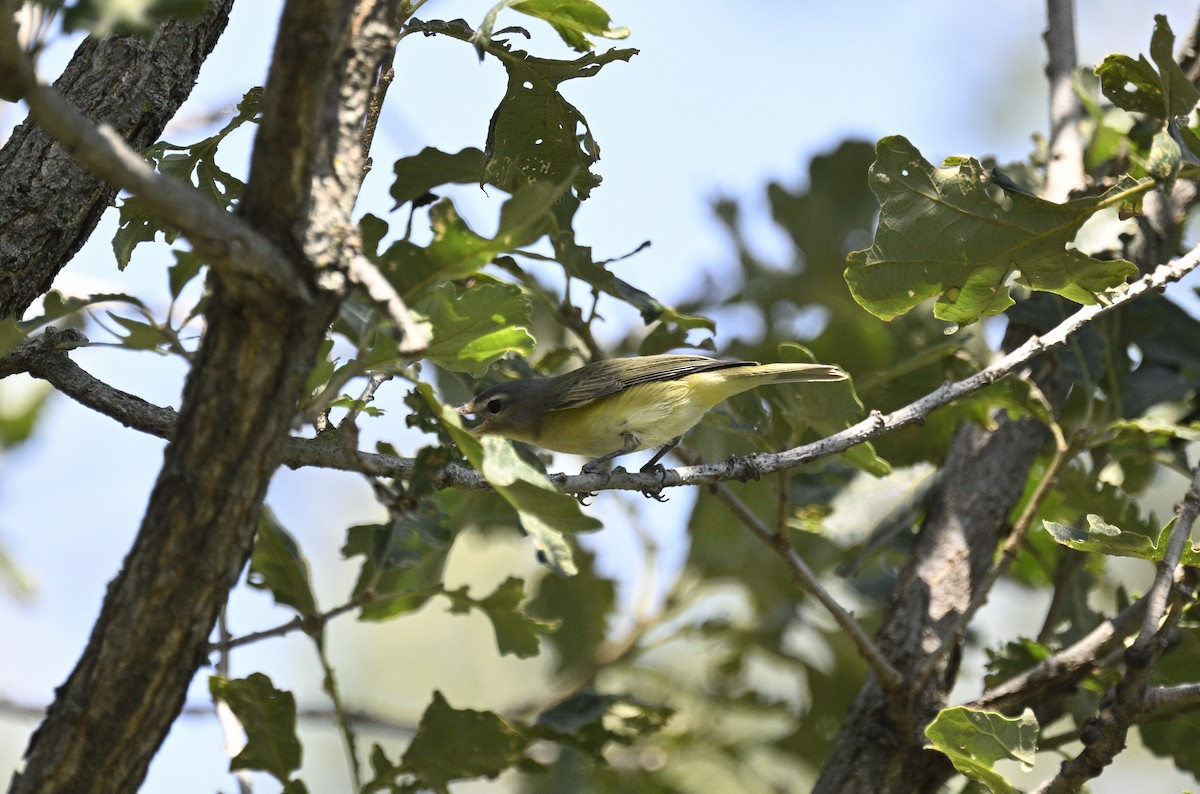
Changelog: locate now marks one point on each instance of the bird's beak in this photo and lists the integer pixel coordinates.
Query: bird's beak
(467, 409)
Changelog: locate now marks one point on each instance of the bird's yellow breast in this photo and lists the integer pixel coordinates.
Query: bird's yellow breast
(652, 413)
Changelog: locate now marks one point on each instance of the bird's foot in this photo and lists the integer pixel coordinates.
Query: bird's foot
(655, 493)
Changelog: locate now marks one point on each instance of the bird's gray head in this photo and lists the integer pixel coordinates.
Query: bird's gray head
(512, 410)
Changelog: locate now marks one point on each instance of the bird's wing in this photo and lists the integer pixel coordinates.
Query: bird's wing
(602, 378)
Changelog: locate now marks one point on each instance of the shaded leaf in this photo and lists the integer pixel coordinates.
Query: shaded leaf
(535, 134)
(268, 716)
(403, 561)
(1164, 92)
(430, 168)
(953, 234)
(278, 566)
(102, 17)
(194, 164)
(454, 744)
(516, 632)
(590, 720)
(975, 740)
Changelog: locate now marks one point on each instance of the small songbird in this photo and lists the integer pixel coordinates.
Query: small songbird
(610, 408)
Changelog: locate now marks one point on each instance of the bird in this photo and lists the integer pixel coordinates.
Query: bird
(612, 407)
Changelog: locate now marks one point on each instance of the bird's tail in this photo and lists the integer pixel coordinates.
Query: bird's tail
(794, 373)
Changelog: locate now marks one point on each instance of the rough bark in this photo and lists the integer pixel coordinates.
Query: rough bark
(49, 204)
(113, 712)
(880, 747)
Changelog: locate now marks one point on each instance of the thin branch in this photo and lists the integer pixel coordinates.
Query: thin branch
(308, 624)
(804, 576)
(43, 358)
(1065, 668)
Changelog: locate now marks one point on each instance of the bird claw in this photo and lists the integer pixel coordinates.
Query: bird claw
(656, 492)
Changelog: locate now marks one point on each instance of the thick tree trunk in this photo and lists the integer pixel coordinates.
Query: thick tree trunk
(113, 712)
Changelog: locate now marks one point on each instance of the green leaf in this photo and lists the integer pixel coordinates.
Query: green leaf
(1137, 86)
(1104, 538)
(975, 740)
(457, 252)
(19, 415)
(194, 164)
(455, 744)
(141, 336)
(581, 605)
(403, 561)
(535, 134)
(589, 721)
(268, 716)
(278, 566)
(1174, 736)
(544, 513)
(475, 326)
(516, 632)
(421, 173)
(953, 233)
(574, 20)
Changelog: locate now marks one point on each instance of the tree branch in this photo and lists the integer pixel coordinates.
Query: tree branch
(225, 242)
(53, 366)
(49, 204)
(1064, 165)
(1104, 736)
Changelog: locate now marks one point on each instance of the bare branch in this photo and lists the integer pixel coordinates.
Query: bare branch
(1064, 166)
(888, 676)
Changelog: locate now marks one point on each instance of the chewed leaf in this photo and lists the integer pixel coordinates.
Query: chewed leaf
(975, 740)
(955, 234)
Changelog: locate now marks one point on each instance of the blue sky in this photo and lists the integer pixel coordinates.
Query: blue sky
(722, 98)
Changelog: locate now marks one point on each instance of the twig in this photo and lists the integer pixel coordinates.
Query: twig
(308, 624)
(888, 676)
(232, 730)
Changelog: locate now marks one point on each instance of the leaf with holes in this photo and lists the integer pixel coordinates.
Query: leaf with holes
(955, 234)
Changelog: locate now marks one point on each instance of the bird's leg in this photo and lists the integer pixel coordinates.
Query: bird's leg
(654, 465)
(631, 444)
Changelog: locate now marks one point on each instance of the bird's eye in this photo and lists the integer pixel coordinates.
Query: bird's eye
(494, 405)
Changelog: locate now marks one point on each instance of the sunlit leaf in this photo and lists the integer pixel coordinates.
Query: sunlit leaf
(975, 740)
(953, 234)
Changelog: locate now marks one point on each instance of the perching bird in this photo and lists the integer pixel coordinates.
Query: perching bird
(610, 408)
